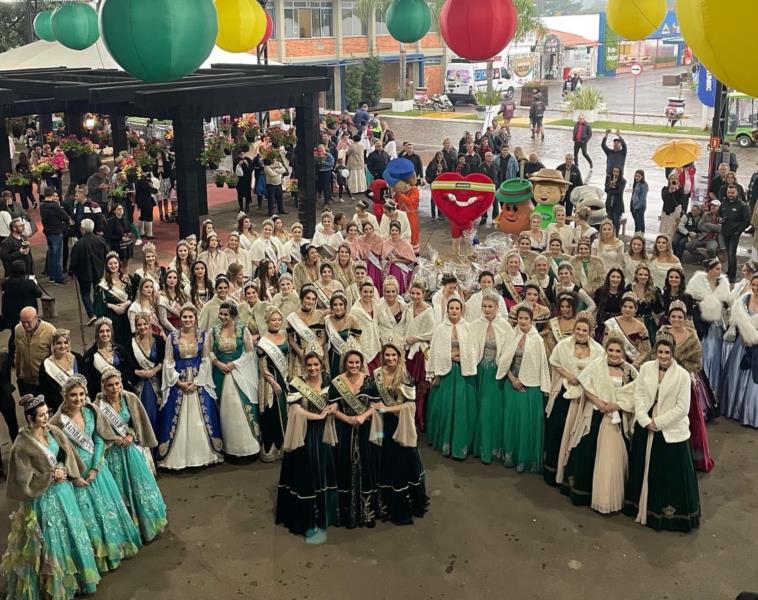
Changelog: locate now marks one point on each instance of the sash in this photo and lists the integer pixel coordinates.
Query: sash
(354, 292)
(335, 340)
(117, 292)
(374, 260)
(51, 458)
(631, 351)
(384, 392)
(316, 399)
(100, 363)
(556, 329)
(510, 288)
(276, 356)
(321, 294)
(543, 296)
(77, 436)
(302, 329)
(352, 400)
(270, 251)
(56, 373)
(114, 418)
(142, 359)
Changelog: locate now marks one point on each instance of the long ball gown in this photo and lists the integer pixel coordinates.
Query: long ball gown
(131, 470)
(114, 535)
(402, 480)
(420, 326)
(306, 497)
(237, 392)
(189, 432)
(739, 393)
(49, 552)
(272, 407)
(357, 458)
(148, 390)
(488, 435)
(105, 295)
(336, 343)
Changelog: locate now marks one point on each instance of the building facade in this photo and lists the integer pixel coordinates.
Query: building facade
(333, 33)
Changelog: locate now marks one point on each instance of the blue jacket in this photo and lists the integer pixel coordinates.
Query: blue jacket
(639, 196)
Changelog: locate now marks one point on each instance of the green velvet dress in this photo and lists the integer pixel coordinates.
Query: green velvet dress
(488, 436)
(137, 484)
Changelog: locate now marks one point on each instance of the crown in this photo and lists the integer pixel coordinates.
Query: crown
(143, 315)
(30, 401)
(148, 248)
(556, 236)
(75, 381)
(524, 235)
(109, 372)
(709, 263)
(190, 238)
(394, 342)
(586, 314)
(270, 311)
(313, 348)
(629, 296)
(59, 333)
(112, 254)
(353, 345)
(359, 263)
(241, 215)
(391, 280)
(678, 305)
(664, 337)
(206, 221)
(103, 321)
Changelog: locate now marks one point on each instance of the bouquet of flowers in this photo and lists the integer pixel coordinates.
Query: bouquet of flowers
(14, 180)
(133, 139)
(280, 137)
(267, 152)
(118, 192)
(319, 155)
(74, 146)
(44, 165)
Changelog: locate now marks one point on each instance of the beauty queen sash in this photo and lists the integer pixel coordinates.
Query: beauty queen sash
(352, 400)
(277, 356)
(114, 418)
(335, 340)
(316, 399)
(77, 436)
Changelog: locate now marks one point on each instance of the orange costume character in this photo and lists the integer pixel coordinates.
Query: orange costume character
(401, 177)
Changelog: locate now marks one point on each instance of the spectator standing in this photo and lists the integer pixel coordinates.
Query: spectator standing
(508, 109)
(489, 168)
(673, 200)
(15, 247)
(410, 154)
(581, 136)
(55, 221)
(614, 197)
(118, 233)
(536, 116)
(507, 165)
(356, 167)
(377, 160)
(718, 181)
(728, 157)
(361, 117)
(434, 169)
(97, 187)
(19, 291)
(23, 167)
(88, 263)
(244, 171)
(532, 165)
(83, 208)
(449, 154)
(274, 172)
(638, 203)
(325, 162)
(33, 339)
(472, 160)
(500, 139)
(145, 201)
(616, 156)
(735, 215)
(573, 175)
(390, 145)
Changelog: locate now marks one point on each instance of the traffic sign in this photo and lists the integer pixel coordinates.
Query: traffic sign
(636, 70)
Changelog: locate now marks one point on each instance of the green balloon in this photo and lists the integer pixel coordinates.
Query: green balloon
(159, 40)
(75, 25)
(408, 20)
(42, 26)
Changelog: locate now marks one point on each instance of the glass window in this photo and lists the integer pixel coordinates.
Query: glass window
(307, 19)
(272, 14)
(352, 24)
(381, 26)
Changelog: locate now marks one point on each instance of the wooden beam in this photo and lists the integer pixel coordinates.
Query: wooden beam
(306, 125)
(188, 143)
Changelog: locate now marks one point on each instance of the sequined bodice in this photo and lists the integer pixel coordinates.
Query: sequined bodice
(490, 349)
(518, 356)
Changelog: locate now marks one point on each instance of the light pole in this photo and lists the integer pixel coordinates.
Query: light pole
(29, 21)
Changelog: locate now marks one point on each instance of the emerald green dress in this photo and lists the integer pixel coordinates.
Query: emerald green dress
(49, 529)
(523, 424)
(138, 488)
(488, 436)
(451, 413)
(114, 535)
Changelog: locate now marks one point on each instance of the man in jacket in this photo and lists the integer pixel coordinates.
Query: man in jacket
(324, 167)
(87, 264)
(536, 115)
(735, 215)
(244, 171)
(411, 155)
(15, 247)
(86, 209)
(33, 339)
(573, 175)
(582, 134)
(55, 221)
(377, 160)
(97, 186)
(507, 165)
(472, 160)
(490, 169)
(616, 156)
(449, 154)
(500, 139)
(361, 116)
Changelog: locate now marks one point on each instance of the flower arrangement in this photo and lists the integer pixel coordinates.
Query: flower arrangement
(154, 147)
(232, 180)
(330, 120)
(280, 137)
(14, 180)
(292, 187)
(267, 152)
(129, 167)
(74, 146)
(144, 160)
(219, 178)
(41, 167)
(132, 139)
(213, 153)
(118, 192)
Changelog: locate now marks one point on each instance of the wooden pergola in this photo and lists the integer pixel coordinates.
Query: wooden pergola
(224, 89)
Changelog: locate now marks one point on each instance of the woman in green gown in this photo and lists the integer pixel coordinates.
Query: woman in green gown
(49, 552)
(491, 331)
(338, 326)
(524, 362)
(452, 409)
(129, 457)
(113, 296)
(114, 535)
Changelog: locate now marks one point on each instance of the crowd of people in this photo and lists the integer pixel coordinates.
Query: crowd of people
(573, 354)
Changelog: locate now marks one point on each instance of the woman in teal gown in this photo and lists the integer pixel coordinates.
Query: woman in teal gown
(49, 552)
(129, 457)
(114, 535)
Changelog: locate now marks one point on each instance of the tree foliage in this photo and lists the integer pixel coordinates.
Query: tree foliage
(13, 26)
(560, 7)
(353, 86)
(371, 80)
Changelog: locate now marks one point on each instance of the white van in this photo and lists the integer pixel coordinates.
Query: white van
(463, 78)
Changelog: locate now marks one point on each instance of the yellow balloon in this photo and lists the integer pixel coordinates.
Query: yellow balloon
(635, 19)
(728, 54)
(241, 24)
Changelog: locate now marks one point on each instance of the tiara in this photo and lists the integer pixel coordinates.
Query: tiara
(143, 315)
(182, 243)
(556, 236)
(75, 381)
(709, 263)
(665, 337)
(286, 276)
(148, 248)
(270, 311)
(394, 342)
(587, 315)
(103, 321)
(221, 277)
(391, 280)
(241, 215)
(629, 296)
(359, 263)
(338, 294)
(109, 372)
(207, 221)
(112, 254)
(190, 238)
(58, 333)
(30, 401)
(188, 306)
(678, 305)
(353, 345)
(314, 348)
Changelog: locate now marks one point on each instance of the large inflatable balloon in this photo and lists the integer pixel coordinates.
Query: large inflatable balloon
(408, 20)
(728, 53)
(75, 25)
(269, 29)
(462, 199)
(241, 24)
(42, 26)
(478, 30)
(159, 40)
(635, 19)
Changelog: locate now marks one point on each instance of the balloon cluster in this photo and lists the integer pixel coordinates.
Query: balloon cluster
(73, 25)
(159, 40)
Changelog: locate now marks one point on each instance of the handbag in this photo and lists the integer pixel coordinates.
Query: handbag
(239, 171)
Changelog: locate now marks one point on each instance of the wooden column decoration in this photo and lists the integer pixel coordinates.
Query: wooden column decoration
(187, 147)
(45, 124)
(119, 132)
(306, 127)
(74, 125)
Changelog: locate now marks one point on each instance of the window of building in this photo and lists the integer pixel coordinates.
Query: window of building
(381, 26)
(307, 19)
(352, 24)
(271, 13)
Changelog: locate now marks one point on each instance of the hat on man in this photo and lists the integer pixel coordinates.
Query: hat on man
(514, 191)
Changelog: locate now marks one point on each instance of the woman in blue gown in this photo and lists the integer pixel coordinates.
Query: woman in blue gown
(129, 456)
(113, 533)
(145, 363)
(49, 552)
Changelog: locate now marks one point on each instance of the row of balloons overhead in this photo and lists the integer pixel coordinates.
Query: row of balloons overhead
(164, 40)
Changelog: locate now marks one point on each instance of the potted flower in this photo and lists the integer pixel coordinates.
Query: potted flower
(330, 121)
(219, 179)
(132, 139)
(42, 167)
(280, 137)
(232, 180)
(16, 180)
(587, 101)
(144, 160)
(118, 192)
(75, 147)
(82, 159)
(251, 133)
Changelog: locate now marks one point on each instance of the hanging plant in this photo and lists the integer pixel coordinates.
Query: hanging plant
(280, 137)
(72, 146)
(133, 139)
(219, 179)
(232, 180)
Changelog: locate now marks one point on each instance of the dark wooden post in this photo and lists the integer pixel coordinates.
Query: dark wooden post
(306, 126)
(45, 124)
(74, 125)
(118, 132)
(6, 158)
(190, 174)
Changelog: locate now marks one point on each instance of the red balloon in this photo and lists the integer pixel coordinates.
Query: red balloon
(478, 30)
(269, 29)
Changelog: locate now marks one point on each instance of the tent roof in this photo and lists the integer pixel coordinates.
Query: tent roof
(49, 55)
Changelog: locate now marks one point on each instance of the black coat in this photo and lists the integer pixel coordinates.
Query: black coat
(376, 162)
(93, 375)
(18, 293)
(451, 159)
(115, 230)
(87, 261)
(50, 389)
(10, 250)
(54, 218)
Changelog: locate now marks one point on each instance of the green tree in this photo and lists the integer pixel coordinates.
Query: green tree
(371, 81)
(560, 7)
(14, 24)
(353, 86)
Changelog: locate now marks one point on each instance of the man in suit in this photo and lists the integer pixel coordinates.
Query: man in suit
(87, 264)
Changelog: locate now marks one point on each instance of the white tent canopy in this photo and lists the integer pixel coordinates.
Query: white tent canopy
(50, 55)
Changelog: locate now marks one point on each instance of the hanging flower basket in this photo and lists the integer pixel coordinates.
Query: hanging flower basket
(74, 147)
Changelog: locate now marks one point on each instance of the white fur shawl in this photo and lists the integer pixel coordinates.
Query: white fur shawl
(534, 371)
(440, 361)
(745, 323)
(502, 329)
(711, 302)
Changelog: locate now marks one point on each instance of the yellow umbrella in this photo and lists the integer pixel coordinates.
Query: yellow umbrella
(677, 153)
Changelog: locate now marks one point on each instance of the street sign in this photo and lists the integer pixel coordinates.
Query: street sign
(636, 70)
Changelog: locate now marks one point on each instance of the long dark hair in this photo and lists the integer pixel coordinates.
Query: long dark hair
(606, 289)
(264, 281)
(636, 183)
(193, 283)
